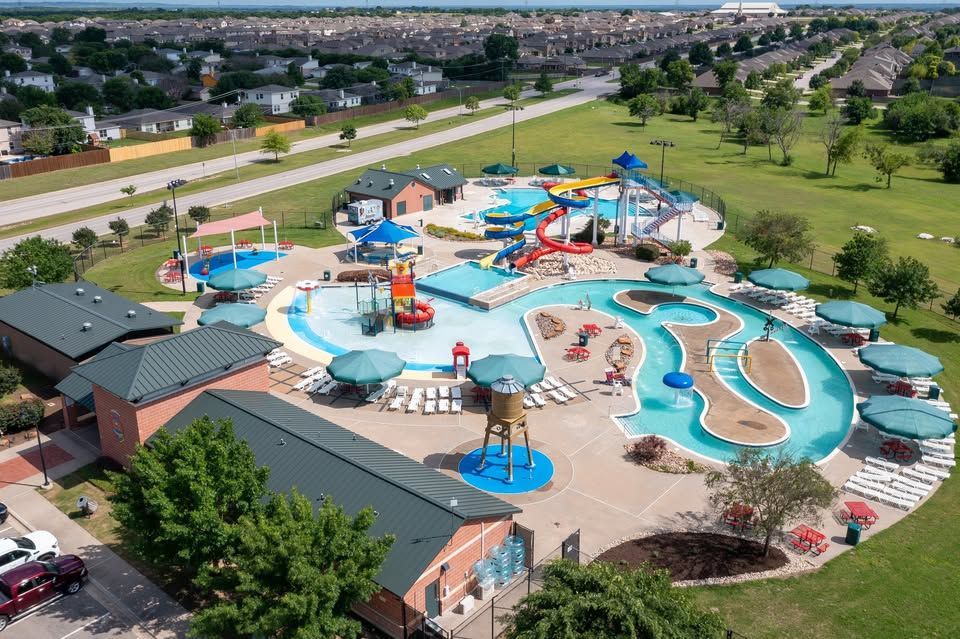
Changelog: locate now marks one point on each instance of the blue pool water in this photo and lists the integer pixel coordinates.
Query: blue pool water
(493, 477)
(463, 281)
(521, 199)
(816, 430)
(223, 261)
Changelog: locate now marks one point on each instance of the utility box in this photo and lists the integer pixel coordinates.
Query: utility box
(365, 212)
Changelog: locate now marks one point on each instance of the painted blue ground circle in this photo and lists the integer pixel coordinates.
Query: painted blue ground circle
(224, 260)
(493, 478)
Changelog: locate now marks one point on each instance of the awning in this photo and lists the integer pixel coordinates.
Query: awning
(252, 220)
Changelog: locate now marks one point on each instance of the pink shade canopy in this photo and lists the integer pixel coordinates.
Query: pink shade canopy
(250, 220)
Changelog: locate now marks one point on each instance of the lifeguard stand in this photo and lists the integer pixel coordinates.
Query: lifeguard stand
(507, 419)
(461, 353)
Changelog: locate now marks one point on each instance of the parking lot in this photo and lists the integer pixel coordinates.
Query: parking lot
(80, 616)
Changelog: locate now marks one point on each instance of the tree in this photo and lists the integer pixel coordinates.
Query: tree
(778, 487)
(920, 116)
(681, 248)
(60, 35)
(159, 219)
(293, 574)
(276, 143)
(247, 116)
(543, 84)
(52, 259)
(306, 105)
(904, 283)
(692, 103)
(119, 93)
(644, 106)
(764, 40)
(511, 92)
(52, 131)
(856, 90)
(822, 99)
(402, 89)
(78, 95)
(948, 161)
(12, 62)
(860, 258)
(348, 133)
(129, 189)
(198, 213)
(885, 161)
(416, 113)
(856, 110)
(779, 34)
(725, 72)
(205, 128)
(84, 237)
(786, 131)
(744, 44)
(119, 227)
(339, 77)
(671, 56)
(295, 74)
(782, 95)
(183, 496)
(729, 113)
(634, 80)
(498, 46)
(796, 30)
(679, 74)
(777, 236)
(952, 306)
(829, 136)
(611, 602)
(724, 50)
(753, 81)
(472, 104)
(847, 147)
(700, 54)
(60, 64)
(149, 97)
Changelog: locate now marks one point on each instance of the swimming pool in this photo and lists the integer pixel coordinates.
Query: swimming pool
(224, 261)
(816, 429)
(522, 199)
(465, 280)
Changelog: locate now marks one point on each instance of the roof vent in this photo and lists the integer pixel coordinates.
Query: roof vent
(97, 299)
(418, 167)
(383, 167)
(86, 326)
(358, 181)
(391, 182)
(79, 291)
(131, 313)
(426, 176)
(282, 442)
(370, 183)
(447, 171)
(453, 502)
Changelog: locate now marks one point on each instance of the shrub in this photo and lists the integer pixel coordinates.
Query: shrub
(9, 379)
(647, 450)
(18, 416)
(449, 233)
(647, 252)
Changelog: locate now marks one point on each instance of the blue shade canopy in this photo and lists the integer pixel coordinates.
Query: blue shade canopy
(499, 169)
(487, 370)
(779, 279)
(674, 275)
(243, 315)
(385, 232)
(855, 314)
(629, 161)
(236, 279)
(906, 417)
(371, 366)
(678, 380)
(557, 169)
(897, 359)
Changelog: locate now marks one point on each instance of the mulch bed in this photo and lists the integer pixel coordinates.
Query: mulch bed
(363, 275)
(694, 556)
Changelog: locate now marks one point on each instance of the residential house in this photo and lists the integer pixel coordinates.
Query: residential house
(421, 72)
(750, 9)
(223, 112)
(31, 78)
(153, 121)
(10, 137)
(273, 98)
(408, 192)
(337, 99)
(24, 52)
(96, 130)
(173, 55)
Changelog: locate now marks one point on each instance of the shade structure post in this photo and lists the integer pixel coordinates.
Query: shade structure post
(276, 243)
(263, 239)
(233, 249)
(596, 211)
(186, 260)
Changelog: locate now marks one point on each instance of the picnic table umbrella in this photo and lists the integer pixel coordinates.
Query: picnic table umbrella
(499, 169)
(854, 314)
(674, 275)
(243, 315)
(897, 359)
(906, 417)
(236, 280)
(779, 279)
(489, 369)
(370, 366)
(558, 170)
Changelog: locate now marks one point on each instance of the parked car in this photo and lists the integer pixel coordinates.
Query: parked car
(35, 546)
(37, 582)
(3, 513)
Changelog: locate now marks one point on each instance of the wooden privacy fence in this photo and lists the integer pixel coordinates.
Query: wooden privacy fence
(54, 163)
(124, 153)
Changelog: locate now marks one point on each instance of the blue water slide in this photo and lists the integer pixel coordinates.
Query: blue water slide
(504, 218)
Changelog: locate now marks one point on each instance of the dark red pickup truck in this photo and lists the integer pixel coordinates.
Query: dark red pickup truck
(37, 582)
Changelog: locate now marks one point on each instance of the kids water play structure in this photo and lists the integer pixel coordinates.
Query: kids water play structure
(409, 312)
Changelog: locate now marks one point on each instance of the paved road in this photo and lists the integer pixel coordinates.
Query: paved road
(79, 197)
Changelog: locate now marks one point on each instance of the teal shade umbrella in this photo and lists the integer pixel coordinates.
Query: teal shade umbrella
(236, 280)
(243, 315)
(897, 359)
(365, 367)
(855, 314)
(906, 417)
(557, 169)
(499, 169)
(674, 275)
(489, 369)
(779, 279)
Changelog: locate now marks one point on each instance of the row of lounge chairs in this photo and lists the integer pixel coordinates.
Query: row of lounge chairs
(278, 358)
(903, 487)
(552, 388)
(433, 400)
(493, 181)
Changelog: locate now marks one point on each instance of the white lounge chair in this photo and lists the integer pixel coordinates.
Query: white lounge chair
(939, 473)
(310, 372)
(939, 461)
(910, 489)
(538, 400)
(882, 463)
(926, 484)
(536, 388)
(430, 407)
(456, 393)
(444, 392)
(280, 361)
(431, 393)
(560, 399)
(272, 355)
(443, 406)
(546, 385)
(865, 476)
(528, 402)
(396, 404)
(567, 392)
(456, 406)
(554, 381)
(414, 404)
(328, 387)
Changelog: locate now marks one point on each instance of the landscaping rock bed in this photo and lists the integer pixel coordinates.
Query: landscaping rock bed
(550, 325)
(620, 352)
(552, 265)
(723, 262)
(363, 275)
(697, 555)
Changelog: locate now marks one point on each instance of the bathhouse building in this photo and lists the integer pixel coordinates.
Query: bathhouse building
(405, 192)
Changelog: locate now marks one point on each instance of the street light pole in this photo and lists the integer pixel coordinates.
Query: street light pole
(43, 461)
(663, 144)
(172, 187)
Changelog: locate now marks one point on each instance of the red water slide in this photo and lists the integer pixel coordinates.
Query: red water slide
(550, 245)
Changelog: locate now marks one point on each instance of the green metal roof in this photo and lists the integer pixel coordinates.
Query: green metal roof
(78, 318)
(376, 182)
(143, 373)
(438, 176)
(421, 506)
(80, 389)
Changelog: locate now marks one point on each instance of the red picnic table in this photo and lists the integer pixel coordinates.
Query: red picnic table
(854, 339)
(578, 354)
(244, 243)
(896, 449)
(902, 388)
(592, 330)
(739, 516)
(808, 539)
(286, 245)
(861, 513)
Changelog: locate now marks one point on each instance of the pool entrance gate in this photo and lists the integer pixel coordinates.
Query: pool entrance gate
(728, 349)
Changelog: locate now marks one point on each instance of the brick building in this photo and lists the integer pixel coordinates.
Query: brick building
(409, 191)
(442, 525)
(53, 327)
(134, 390)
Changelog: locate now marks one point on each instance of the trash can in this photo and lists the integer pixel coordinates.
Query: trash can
(934, 392)
(720, 225)
(201, 287)
(874, 335)
(737, 277)
(420, 250)
(853, 534)
(584, 338)
(693, 262)
(176, 254)
(326, 276)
